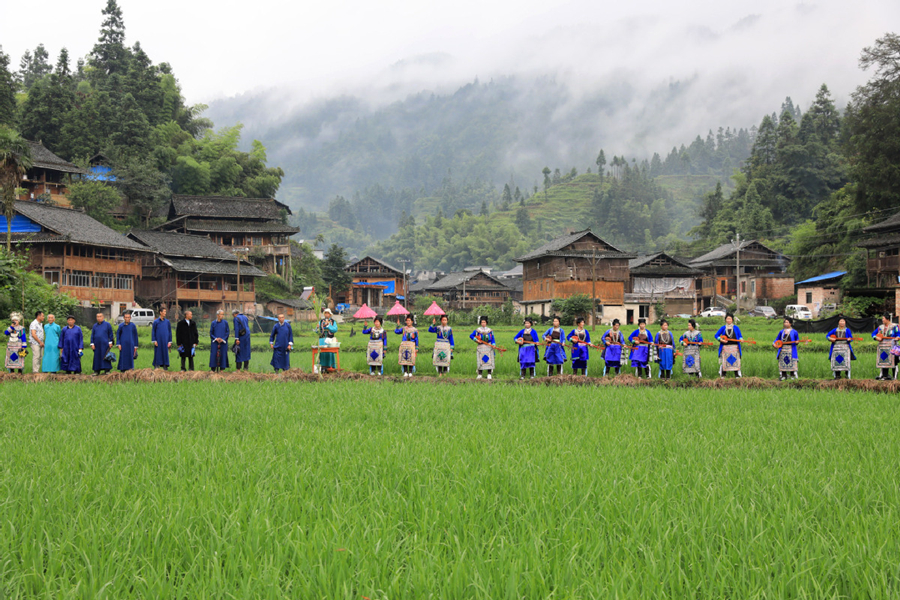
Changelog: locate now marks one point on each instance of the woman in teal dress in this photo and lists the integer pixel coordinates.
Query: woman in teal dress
(50, 363)
(326, 330)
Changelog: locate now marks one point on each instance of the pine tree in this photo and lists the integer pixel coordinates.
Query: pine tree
(484, 208)
(505, 198)
(110, 54)
(7, 91)
(601, 164)
(132, 130)
(523, 220)
(33, 67)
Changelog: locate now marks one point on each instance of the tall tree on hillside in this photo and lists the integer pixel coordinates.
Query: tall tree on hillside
(33, 67)
(547, 183)
(505, 198)
(47, 106)
(110, 54)
(601, 164)
(333, 272)
(15, 160)
(7, 91)
(873, 127)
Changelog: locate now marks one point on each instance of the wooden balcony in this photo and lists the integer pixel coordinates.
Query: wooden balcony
(883, 264)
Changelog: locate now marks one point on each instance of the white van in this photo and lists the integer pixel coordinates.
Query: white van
(139, 316)
(798, 311)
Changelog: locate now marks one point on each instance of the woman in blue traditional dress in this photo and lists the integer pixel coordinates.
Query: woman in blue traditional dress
(484, 336)
(729, 334)
(16, 345)
(50, 362)
(527, 339)
(127, 343)
(376, 333)
(579, 338)
(71, 347)
(326, 330)
(408, 333)
(102, 341)
(281, 340)
(639, 355)
(614, 340)
(841, 340)
(444, 334)
(555, 352)
(886, 335)
(691, 341)
(241, 340)
(665, 343)
(786, 350)
(218, 336)
(161, 336)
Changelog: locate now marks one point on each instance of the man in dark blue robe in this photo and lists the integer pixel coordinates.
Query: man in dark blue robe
(71, 347)
(241, 339)
(161, 336)
(282, 342)
(218, 336)
(127, 338)
(101, 342)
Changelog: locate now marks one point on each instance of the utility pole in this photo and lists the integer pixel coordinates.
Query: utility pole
(403, 262)
(593, 288)
(737, 275)
(238, 253)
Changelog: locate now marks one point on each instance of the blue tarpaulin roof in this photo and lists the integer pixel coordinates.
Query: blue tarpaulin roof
(100, 173)
(825, 277)
(387, 285)
(20, 224)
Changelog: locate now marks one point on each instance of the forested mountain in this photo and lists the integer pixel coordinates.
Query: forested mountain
(116, 102)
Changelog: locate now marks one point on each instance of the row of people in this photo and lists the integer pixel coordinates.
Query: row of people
(60, 349)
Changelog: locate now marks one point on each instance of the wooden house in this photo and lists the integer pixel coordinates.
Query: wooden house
(763, 275)
(184, 271)
(375, 283)
(578, 263)
(50, 175)
(85, 258)
(254, 227)
(294, 309)
(662, 278)
(468, 289)
(882, 246)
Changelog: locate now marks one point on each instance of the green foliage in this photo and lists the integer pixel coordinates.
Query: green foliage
(333, 272)
(38, 294)
(15, 160)
(569, 308)
(307, 269)
(861, 306)
(96, 198)
(873, 127)
(7, 92)
(271, 287)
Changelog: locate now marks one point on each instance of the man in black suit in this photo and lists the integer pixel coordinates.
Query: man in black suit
(187, 338)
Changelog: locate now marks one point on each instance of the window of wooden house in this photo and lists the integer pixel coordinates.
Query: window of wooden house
(79, 278)
(124, 282)
(51, 277)
(257, 241)
(104, 280)
(227, 241)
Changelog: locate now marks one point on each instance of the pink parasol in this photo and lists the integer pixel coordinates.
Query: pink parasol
(397, 310)
(365, 312)
(434, 310)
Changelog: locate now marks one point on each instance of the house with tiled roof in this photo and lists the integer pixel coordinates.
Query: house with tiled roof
(576, 263)
(661, 277)
(184, 271)
(255, 227)
(85, 258)
(763, 275)
(375, 283)
(468, 289)
(50, 176)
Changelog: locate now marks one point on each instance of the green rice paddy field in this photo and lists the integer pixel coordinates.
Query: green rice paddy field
(393, 489)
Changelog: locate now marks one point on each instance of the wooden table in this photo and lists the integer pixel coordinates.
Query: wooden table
(336, 350)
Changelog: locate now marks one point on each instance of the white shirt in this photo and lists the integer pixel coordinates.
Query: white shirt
(36, 328)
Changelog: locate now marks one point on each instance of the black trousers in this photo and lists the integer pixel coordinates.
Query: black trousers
(190, 360)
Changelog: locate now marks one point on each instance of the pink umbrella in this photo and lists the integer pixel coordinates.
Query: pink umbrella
(434, 310)
(397, 310)
(365, 312)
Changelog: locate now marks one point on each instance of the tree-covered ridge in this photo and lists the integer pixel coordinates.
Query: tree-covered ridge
(120, 104)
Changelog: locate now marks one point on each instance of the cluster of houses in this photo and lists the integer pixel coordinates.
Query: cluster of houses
(207, 255)
(210, 250)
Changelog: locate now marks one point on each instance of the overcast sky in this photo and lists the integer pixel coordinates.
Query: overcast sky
(223, 47)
